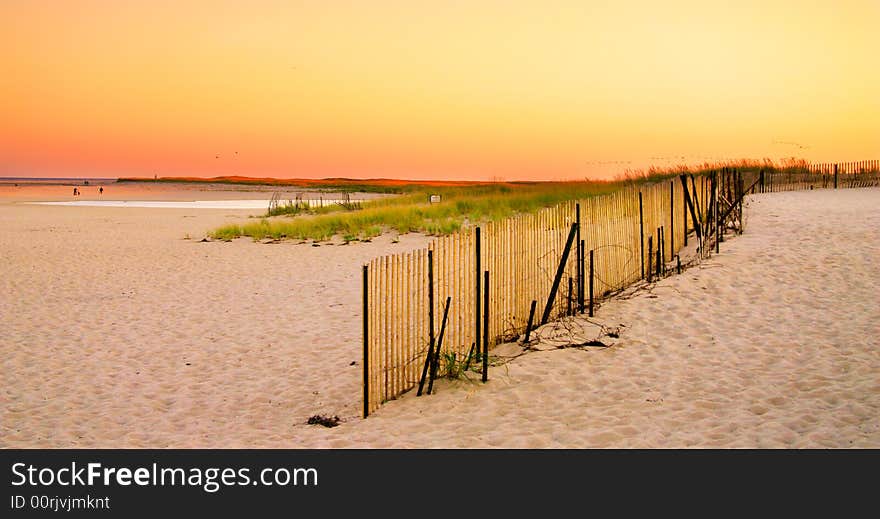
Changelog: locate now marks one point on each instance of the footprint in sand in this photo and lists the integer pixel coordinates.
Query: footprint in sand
(758, 409)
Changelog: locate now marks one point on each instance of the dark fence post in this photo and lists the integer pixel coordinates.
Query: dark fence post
(366, 344)
(559, 271)
(835, 176)
(663, 249)
(698, 201)
(570, 290)
(659, 251)
(486, 326)
(430, 321)
(719, 236)
(650, 245)
(741, 184)
(579, 263)
(479, 272)
(719, 228)
(671, 218)
(701, 230)
(642, 234)
(684, 220)
(435, 362)
(591, 282)
(531, 320)
(583, 248)
(711, 216)
(690, 205)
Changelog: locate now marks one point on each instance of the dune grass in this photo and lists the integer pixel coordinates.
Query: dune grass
(414, 213)
(460, 205)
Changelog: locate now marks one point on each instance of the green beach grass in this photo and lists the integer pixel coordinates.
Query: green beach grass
(414, 213)
(460, 205)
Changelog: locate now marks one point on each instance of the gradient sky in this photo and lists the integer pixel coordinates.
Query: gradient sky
(471, 90)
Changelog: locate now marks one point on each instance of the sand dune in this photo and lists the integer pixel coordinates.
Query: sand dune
(117, 332)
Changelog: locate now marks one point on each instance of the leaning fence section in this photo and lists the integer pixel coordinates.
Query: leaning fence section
(450, 303)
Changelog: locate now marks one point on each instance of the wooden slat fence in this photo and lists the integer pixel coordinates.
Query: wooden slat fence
(523, 253)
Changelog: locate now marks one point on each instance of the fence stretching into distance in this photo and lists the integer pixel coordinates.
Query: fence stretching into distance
(538, 270)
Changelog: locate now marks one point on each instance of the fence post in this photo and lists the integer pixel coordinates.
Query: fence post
(719, 229)
(684, 220)
(591, 282)
(671, 218)
(703, 232)
(435, 361)
(740, 184)
(531, 320)
(835, 176)
(650, 245)
(712, 208)
(366, 344)
(558, 277)
(479, 272)
(486, 327)
(579, 262)
(642, 235)
(583, 248)
(663, 249)
(570, 290)
(659, 251)
(430, 321)
(689, 204)
(697, 200)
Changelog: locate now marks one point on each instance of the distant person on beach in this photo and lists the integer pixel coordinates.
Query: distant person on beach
(100, 190)
(75, 191)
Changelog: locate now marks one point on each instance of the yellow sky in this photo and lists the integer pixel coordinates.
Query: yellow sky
(473, 90)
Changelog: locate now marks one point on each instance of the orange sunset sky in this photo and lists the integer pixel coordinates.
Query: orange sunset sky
(472, 90)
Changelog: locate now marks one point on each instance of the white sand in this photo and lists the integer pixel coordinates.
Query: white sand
(772, 343)
(163, 191)
(117, 332)
(259, 205)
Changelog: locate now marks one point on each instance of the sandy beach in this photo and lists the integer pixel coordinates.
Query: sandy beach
(120, 329)
(167, 191)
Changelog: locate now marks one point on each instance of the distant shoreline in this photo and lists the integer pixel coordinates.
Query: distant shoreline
(58, 181)
(380, 185)
(375, 185)
(345, 185)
